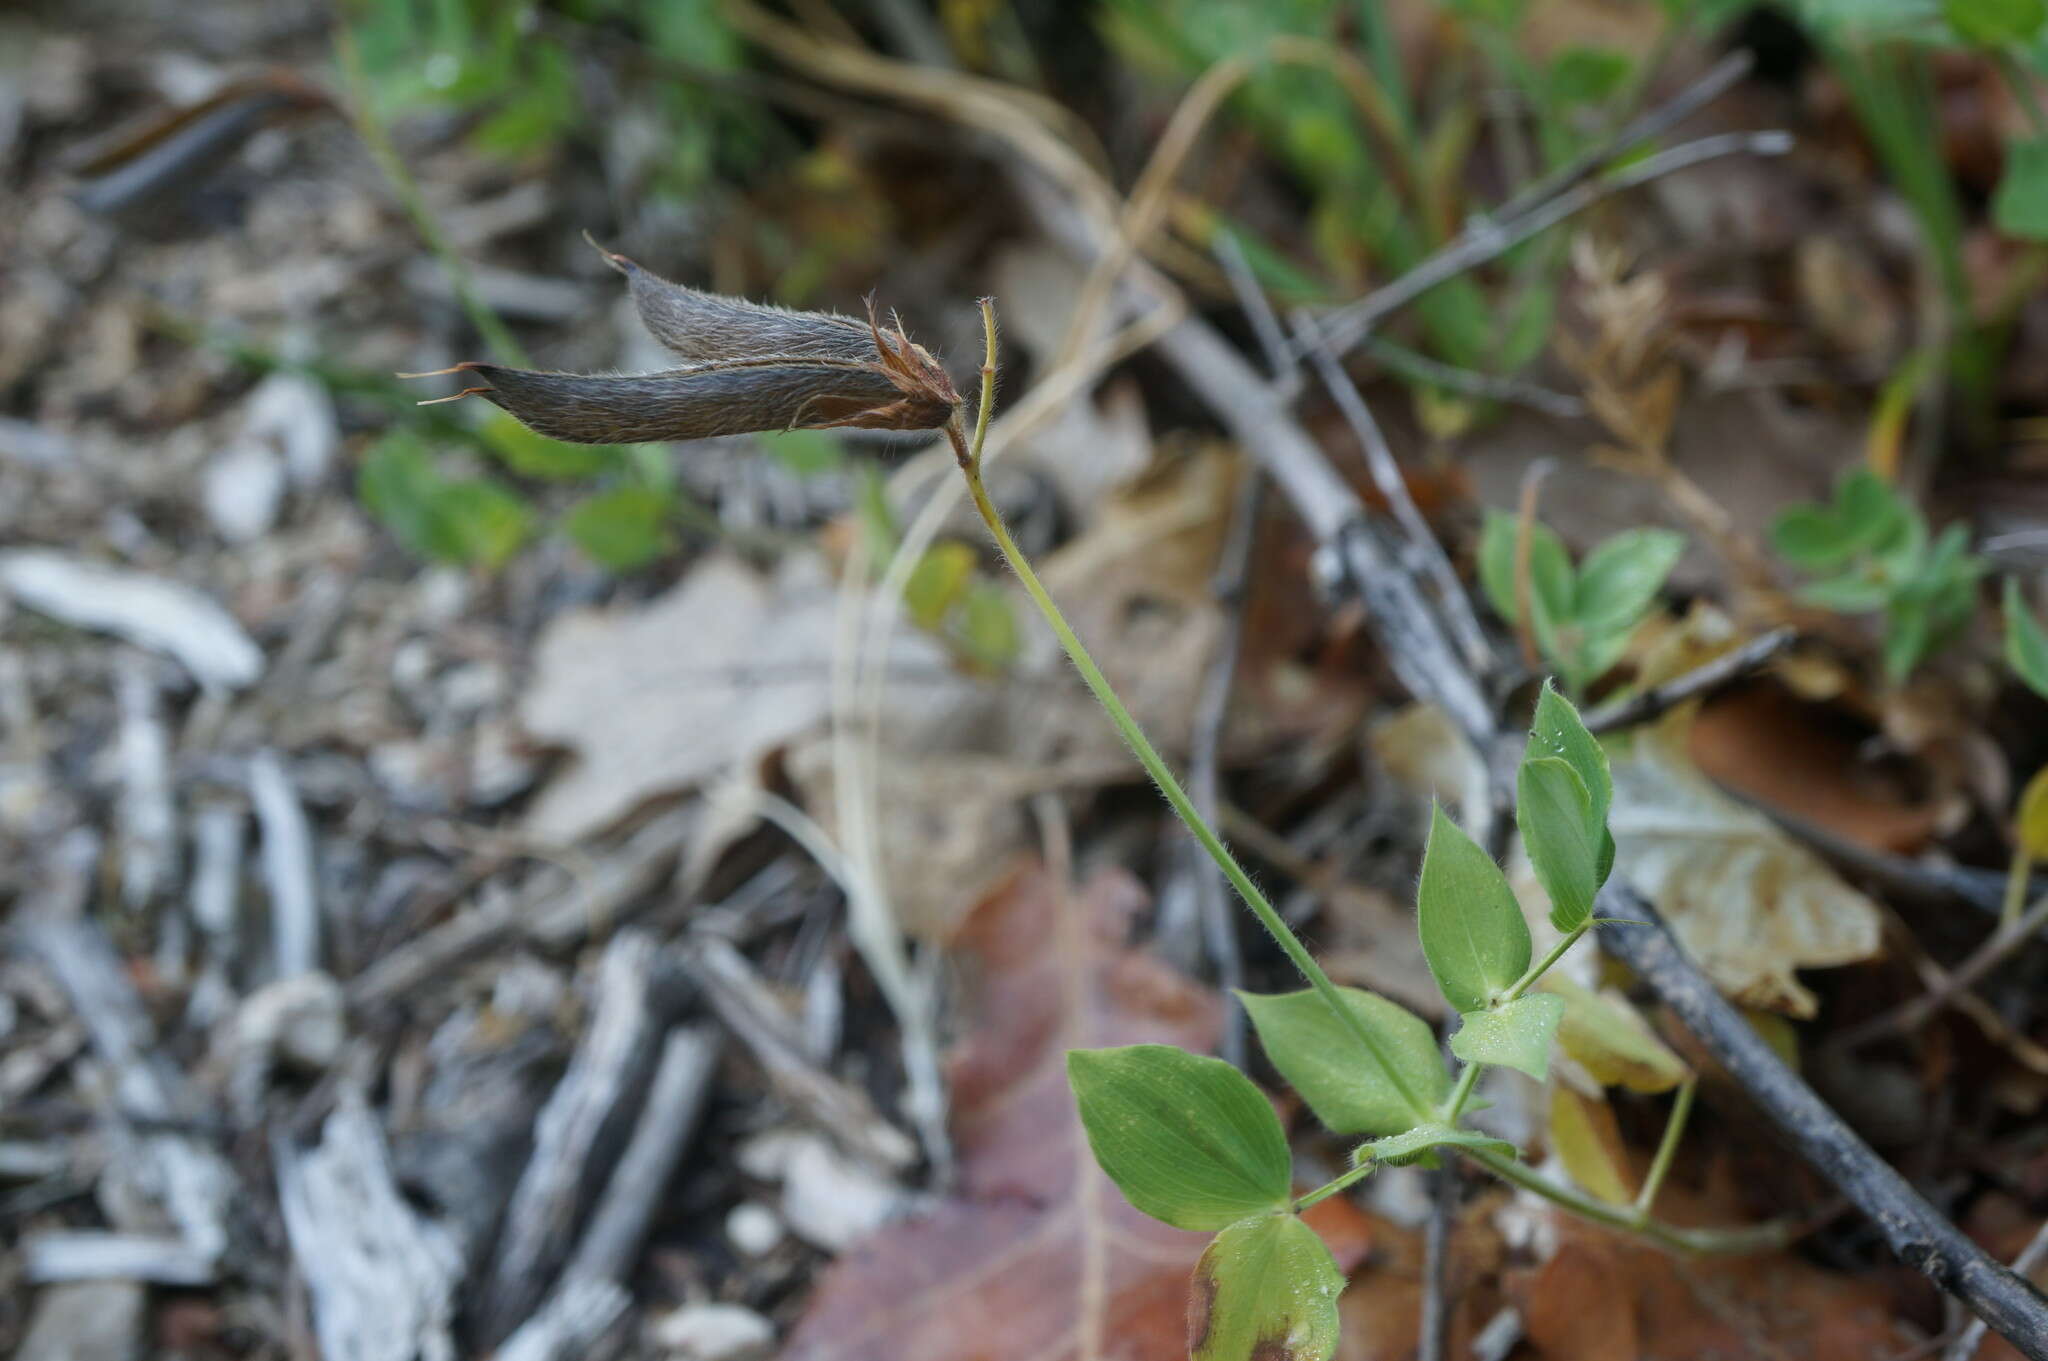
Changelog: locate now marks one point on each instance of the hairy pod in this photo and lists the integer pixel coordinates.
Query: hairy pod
(753, 368)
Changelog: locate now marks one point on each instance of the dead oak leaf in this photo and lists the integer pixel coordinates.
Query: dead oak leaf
(1038, 1258)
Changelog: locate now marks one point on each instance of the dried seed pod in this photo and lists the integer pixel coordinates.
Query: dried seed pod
(758, 368)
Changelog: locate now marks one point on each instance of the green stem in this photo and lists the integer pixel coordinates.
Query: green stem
(1333, 1186)
(1468, 1078)
(1756, 1238)
(969, 455)
(377, 138)
(1542, 966)
(2017, 878)
(1667, 1148)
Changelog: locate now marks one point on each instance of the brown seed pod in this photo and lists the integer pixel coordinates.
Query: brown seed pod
(756, 368)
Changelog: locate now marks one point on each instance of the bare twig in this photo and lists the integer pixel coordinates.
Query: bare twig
(1433, 1331)
(1426, 556)
(1910, 1016)
(1916, 1232)
(2031, 1256)
(1252, 299)
(1487, 239)
(1471, 382)
(1659, 700)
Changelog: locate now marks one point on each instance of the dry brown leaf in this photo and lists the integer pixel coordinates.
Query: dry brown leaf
(1750, 904)
(657, 698)
(1039, 1251)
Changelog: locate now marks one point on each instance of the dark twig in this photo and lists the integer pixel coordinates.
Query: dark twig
(1433, 1331)
(1895, 874)
(2032, 1255)
(1910, 1016)
(1252, 298)
(1659, 700)
(1426, 556)
(1915, 1230)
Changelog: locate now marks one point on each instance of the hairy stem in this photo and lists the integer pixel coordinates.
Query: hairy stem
(1753, 1238)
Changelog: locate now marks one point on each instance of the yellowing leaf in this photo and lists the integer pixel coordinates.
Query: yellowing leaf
(1750, 904)
(1585, 1138)
(2031, 829)
(1266, 1290)
(1606, 1038)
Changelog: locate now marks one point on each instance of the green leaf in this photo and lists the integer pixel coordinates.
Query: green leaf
(1265, 1290)
(1553, 808)
(988, 626)
(2030, 819)
(1189, 1140)
(937, 582)
(1472, 930)
(1400, 1149)
(2026, 644)
(472, 521)
(1321, 1058)
(1550, 570)
(1811, 537)
(1995, 23)
(1557, 730)
(1620, 578)
(807, 453)
(1516, 1035)
(2019, 206)
(1908, 633)
(1587, 75)
(537, 456)
(622, 528)
(1853, 593)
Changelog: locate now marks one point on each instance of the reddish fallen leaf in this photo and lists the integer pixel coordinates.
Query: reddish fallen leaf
(1039, 1251)
(1602, 1298)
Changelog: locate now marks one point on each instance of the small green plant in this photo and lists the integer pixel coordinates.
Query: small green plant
(1870, 551)
(1187, 1138)
(1581, 618)
(2026, 643)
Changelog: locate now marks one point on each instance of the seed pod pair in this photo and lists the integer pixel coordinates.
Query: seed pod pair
(750, 368)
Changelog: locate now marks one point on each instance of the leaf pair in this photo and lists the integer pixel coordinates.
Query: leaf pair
(1190, 1140)
(1580, 617)
(752, 368)
(1562, 793)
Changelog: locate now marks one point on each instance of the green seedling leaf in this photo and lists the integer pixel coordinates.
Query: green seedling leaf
(1811, 538)
(2030, 827)
(1321, 1058)
(1557, 730)
(1516, 1035)
(2019, 206)
(1995, 23)
(537, 456)
(1610, 1042)
(1188, 1140)
(1550, 571)
(1401, 1149)
(2026, 644)
(988, 626)
(1855, 593)
(1620, 578)
(1908, 632)
(1564, 844)
(470, 521)
(1265, 1290)
(938, 582)
(623, 528)
(1472, 930)
(488, 522)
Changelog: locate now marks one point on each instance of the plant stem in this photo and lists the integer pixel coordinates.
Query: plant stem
(377, 138)
(1542, 966)
(1468, 1078)
(2017, 878)
(1667, 1147)
(969, 456)
(1754, 1238)
(1336, 1184)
